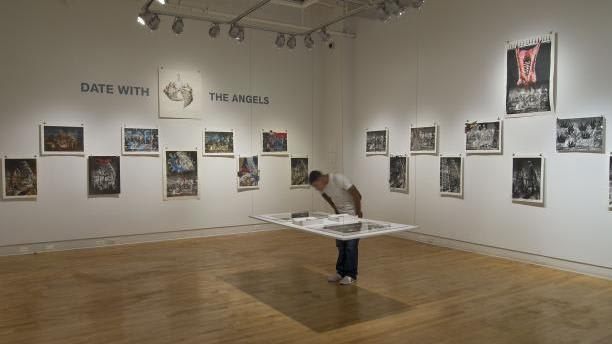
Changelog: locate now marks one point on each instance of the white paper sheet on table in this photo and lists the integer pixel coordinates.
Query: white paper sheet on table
(343, 227)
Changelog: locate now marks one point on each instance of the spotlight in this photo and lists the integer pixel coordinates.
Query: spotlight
(149, 19)
(382, 13)
(392, 7)
(308, 41)
(324, 35)
(280, 40)
(291, 42)
(162, 2)
(236, 32)
(178, 25)
(214, 30)
(418, 4)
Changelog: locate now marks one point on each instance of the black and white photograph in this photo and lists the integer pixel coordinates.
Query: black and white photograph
(180, 93)
(140, 141)
(424, 140)
(62, 139)
(19, 178)
(181, 180)
(451, 176)
(104, 175)
(530, 67)
(528, 179)
(299, 171)
(398, 173)
(483, 137)
(377, 142)
(581, 135)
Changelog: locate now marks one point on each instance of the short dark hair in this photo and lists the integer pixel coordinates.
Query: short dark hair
(314, 176)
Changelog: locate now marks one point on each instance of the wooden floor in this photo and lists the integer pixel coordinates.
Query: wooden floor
(270, 287)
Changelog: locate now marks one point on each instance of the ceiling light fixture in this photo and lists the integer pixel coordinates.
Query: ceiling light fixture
(162, 2)
(382, 13)
(308, 41)
(280, 40)
(392, 7)
(324, 35)
(214, 30)
(178, 26)
(418, 4)
(236, 32)
(149, 19)
(291, 42)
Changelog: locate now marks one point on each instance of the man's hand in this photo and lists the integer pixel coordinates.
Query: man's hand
(359, 214)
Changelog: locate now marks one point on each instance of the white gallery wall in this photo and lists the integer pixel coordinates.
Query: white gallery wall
(68, 42)
(446, 65)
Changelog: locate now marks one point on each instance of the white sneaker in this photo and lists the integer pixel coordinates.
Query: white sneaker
(334, 278)
(346, 280)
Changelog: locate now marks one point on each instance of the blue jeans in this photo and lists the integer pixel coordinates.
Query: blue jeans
(348, 257)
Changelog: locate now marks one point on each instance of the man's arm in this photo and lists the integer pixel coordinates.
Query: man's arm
(331, 203)
(356, 200)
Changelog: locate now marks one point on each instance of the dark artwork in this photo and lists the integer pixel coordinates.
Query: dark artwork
(376, 141)
(450, 175)
(482, 137)
(136, 140)
(63, 139)
(580, 135)
(248, 172)
(423, 139)
(610, 188)
(527, 179)
(104, 176)
(274, 142)
(181, 174)
(20, 178)
(299, 171)
(218, 142)
(529, 81)
(398, 173)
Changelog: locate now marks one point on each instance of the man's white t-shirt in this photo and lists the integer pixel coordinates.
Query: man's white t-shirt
(337, 190)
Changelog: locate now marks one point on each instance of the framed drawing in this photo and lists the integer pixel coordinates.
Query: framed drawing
(248, 172)
(218, 142)
(483, 137)
(274, 142)
(19, 178)
(62, 139)
(180, 93)
(451, 176)
(139, 141)
(181, 179)
(581, 135)
(104, 175)
(528, 179)
(398, 173)
(299, 172)
(530, 73)
(424, 140)
(377, 142)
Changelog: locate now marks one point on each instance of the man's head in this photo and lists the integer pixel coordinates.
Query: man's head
(318, 180)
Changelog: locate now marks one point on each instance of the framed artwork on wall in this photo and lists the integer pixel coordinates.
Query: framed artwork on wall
(581, 135)
(104, 175)
(451, 176)
(299, 171)
(377, 142)
(248, 174)
(483, 137)
(181, 178)
(530, 73)
(19, 178)
(274, 142)
(62, 139)
(218, 142)
(528, 179)
(139, 141)
(398, 173)
(424, 140)
(180, 93)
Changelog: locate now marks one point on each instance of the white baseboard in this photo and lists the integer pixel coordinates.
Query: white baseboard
(131, 239)
(555, 263)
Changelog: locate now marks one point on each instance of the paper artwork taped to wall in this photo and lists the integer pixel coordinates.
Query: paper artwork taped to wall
(218, 143)
(248, 172)
(377, 142)
(483, 137)
(180, 93)
(398, 173)
(140, 141)
(181, 175)
(62, 140)
(585, 135)
(451, 176)
(20, 178)
(299, 172)
(274, 142)
(530, 75)
(104, 175)
(528, 179)
(424, 140)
